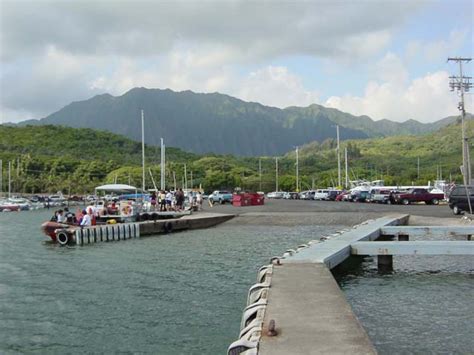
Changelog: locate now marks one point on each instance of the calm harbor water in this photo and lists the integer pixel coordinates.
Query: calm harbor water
(424, 307)
(184, 293)
(180, 293)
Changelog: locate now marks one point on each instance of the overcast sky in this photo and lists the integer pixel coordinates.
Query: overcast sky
(385, 59)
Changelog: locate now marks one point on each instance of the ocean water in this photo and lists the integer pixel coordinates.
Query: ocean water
(425, 306)
(184, 293)
(181, 293)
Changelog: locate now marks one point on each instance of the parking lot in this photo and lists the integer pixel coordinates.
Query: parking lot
(289, 212)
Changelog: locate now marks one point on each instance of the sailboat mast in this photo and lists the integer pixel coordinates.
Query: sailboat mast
(9, 179)
(143, 152)
(162, 165)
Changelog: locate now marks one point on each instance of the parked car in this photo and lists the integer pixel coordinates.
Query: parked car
(321, 194)
(342, 196)
(276, 194)
(418, 195)
(332, 195)
(307, 195)
(359, 196)
(291, 196)
(458, 201)
(220, 197)
(380, 195)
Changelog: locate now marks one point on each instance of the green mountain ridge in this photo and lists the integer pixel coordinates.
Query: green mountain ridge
(221, 124)
(52, 158)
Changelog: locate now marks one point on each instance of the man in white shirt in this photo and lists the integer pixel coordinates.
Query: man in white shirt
(60, 217)
(86, 220)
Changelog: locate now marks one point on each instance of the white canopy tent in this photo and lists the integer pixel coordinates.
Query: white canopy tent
(117, 188)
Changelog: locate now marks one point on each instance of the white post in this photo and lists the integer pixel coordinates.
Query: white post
(162, 165)
(143, 152)
(297, 172)
(338, 159)
(276, 174)
(260, 173)
(1, 178)
(418, 168)
(174, 180)
(347, 167)
(192, 184)
(9, 179)
(152, 179)
(185, 178)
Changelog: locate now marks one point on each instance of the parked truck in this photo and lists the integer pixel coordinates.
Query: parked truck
(418, 195)
(220, 196)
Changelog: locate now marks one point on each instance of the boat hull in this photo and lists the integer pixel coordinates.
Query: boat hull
(50, 228)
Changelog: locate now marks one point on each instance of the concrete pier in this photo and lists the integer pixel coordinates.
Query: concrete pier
(306, 303)
(194, 221)
(301, 309)
(123, 231)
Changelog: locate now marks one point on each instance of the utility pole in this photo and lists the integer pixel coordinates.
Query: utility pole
(462, 84)
(192, 184)
(338, 159)
(174, 180)
(347, 167)
(276, 174)
(297, 172)
(143, 152)
(260, 173)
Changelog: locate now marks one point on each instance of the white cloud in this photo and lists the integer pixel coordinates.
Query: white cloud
(437, 51)
(425, 99)
(276, 86)
(254, 30)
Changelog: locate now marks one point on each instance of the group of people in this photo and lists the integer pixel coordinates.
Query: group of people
(64, 216)
(175, 200)
(85, 218)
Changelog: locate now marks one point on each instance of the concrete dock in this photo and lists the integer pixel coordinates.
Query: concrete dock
(123, 231)
(193, 221)
(296, 306)
(306, 303)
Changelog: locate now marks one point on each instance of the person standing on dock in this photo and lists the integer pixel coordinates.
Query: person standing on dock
(162, 201)
(86, 219)
(153, 201)
(168, 198)
(179, 199)
(199, 200)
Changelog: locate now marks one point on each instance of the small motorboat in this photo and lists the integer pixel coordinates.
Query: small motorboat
(7, 206)
(52, 229)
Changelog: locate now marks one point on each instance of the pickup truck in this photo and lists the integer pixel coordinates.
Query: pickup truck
(220, 197)
(418, 195)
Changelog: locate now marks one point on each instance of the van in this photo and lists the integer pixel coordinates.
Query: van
(458, 201)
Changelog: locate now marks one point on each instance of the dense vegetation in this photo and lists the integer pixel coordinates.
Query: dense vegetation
(51, 158)
(217, 123)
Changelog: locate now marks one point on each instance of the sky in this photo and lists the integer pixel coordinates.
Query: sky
(385, 58)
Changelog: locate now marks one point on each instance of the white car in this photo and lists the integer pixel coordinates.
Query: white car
(321, 194)
(276, 194)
